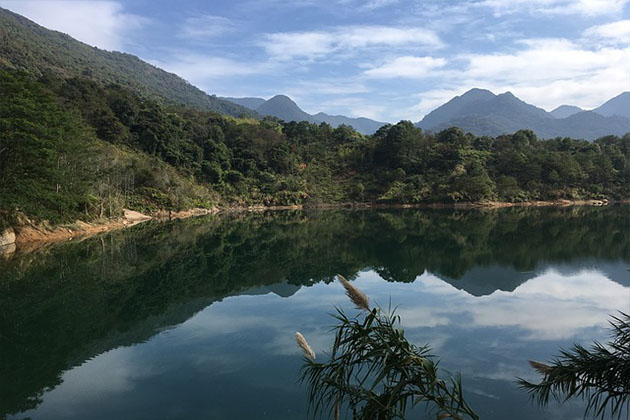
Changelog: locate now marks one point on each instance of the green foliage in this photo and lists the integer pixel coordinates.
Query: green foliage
(67, 145)
(27, 46)
(601, 375)
(43, 151)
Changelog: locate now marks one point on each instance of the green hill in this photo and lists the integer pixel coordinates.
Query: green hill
(25, 45)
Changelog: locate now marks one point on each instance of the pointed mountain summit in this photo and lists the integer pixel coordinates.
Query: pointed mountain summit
(619, 105)
(283, 107)
(564, 111)
(456, 107)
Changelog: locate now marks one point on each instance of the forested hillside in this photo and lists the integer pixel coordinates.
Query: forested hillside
(71, 148)
(26, 45)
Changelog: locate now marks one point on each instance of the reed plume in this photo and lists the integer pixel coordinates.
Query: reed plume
(308, 351)
(541, 368)
(357, 297)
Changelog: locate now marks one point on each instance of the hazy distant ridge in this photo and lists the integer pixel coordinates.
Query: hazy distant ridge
(481, 112)
(283, 107)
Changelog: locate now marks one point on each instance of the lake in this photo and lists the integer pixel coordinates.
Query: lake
(195, 319)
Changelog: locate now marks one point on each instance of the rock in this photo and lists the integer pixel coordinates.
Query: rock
(133, 217)
(7, 237)
(7, 250)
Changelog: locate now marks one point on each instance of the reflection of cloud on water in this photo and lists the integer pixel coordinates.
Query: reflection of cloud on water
(110, 374)
(488, 337)
(547, 307)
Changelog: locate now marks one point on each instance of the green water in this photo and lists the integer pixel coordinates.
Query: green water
(195, 319)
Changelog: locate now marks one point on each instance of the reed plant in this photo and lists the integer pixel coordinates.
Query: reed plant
(373, 371)
(599, 375)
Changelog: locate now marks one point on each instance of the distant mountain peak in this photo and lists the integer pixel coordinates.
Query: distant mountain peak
(282, 99)
(619, 105)
(283, 107)
(564, 111)
(477, 94)
(482, 113)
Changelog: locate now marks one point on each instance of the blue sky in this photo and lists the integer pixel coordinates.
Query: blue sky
(382, 59)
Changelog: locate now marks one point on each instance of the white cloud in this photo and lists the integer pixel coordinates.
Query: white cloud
(198, 68)
(614, 32)
(206, 26)
(317, 44)
(104, 24)
(377, 4)
(555, 7)
(546, 73)
(407, 67)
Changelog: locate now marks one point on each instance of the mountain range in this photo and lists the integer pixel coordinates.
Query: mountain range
(286, 109)
(481, 112)
(30, 47)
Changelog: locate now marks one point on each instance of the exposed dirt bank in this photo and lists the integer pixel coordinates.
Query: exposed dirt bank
(30, 236)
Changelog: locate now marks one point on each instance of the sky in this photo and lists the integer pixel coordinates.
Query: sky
(383, 59)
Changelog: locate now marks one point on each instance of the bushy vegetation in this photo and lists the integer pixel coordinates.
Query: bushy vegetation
(73, 148)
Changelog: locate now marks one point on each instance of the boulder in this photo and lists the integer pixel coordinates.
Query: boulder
(7, 237)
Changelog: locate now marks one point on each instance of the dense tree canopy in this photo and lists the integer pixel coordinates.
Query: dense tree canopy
(74, 148)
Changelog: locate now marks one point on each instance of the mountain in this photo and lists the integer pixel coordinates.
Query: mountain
(283, 107)
(588, 125)
(28, 46)
(456, 107)
(251, 103)
(564, 111)
(362, 125)
(619, 105)
(286, 109)
(481, 112)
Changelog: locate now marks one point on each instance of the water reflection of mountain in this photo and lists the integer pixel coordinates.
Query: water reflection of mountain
(485, 280)
(78, 300)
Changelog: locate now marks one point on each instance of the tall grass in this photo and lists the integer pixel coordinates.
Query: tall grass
(599, 375)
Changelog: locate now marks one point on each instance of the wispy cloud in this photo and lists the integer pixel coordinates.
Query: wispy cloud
(614, 32)
(103, 24)
(555, 7)
(318, 44)
(406, 67)
(206, 26)
(199, 68)
(377, 4)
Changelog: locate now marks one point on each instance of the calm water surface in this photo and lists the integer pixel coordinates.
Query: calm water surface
(195, 319)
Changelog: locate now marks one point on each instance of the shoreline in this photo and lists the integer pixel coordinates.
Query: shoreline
(31, 237)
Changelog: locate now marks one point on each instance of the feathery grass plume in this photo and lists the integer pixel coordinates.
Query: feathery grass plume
(357, 297)
(374, 372)
(308, 351)
(541, 368)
